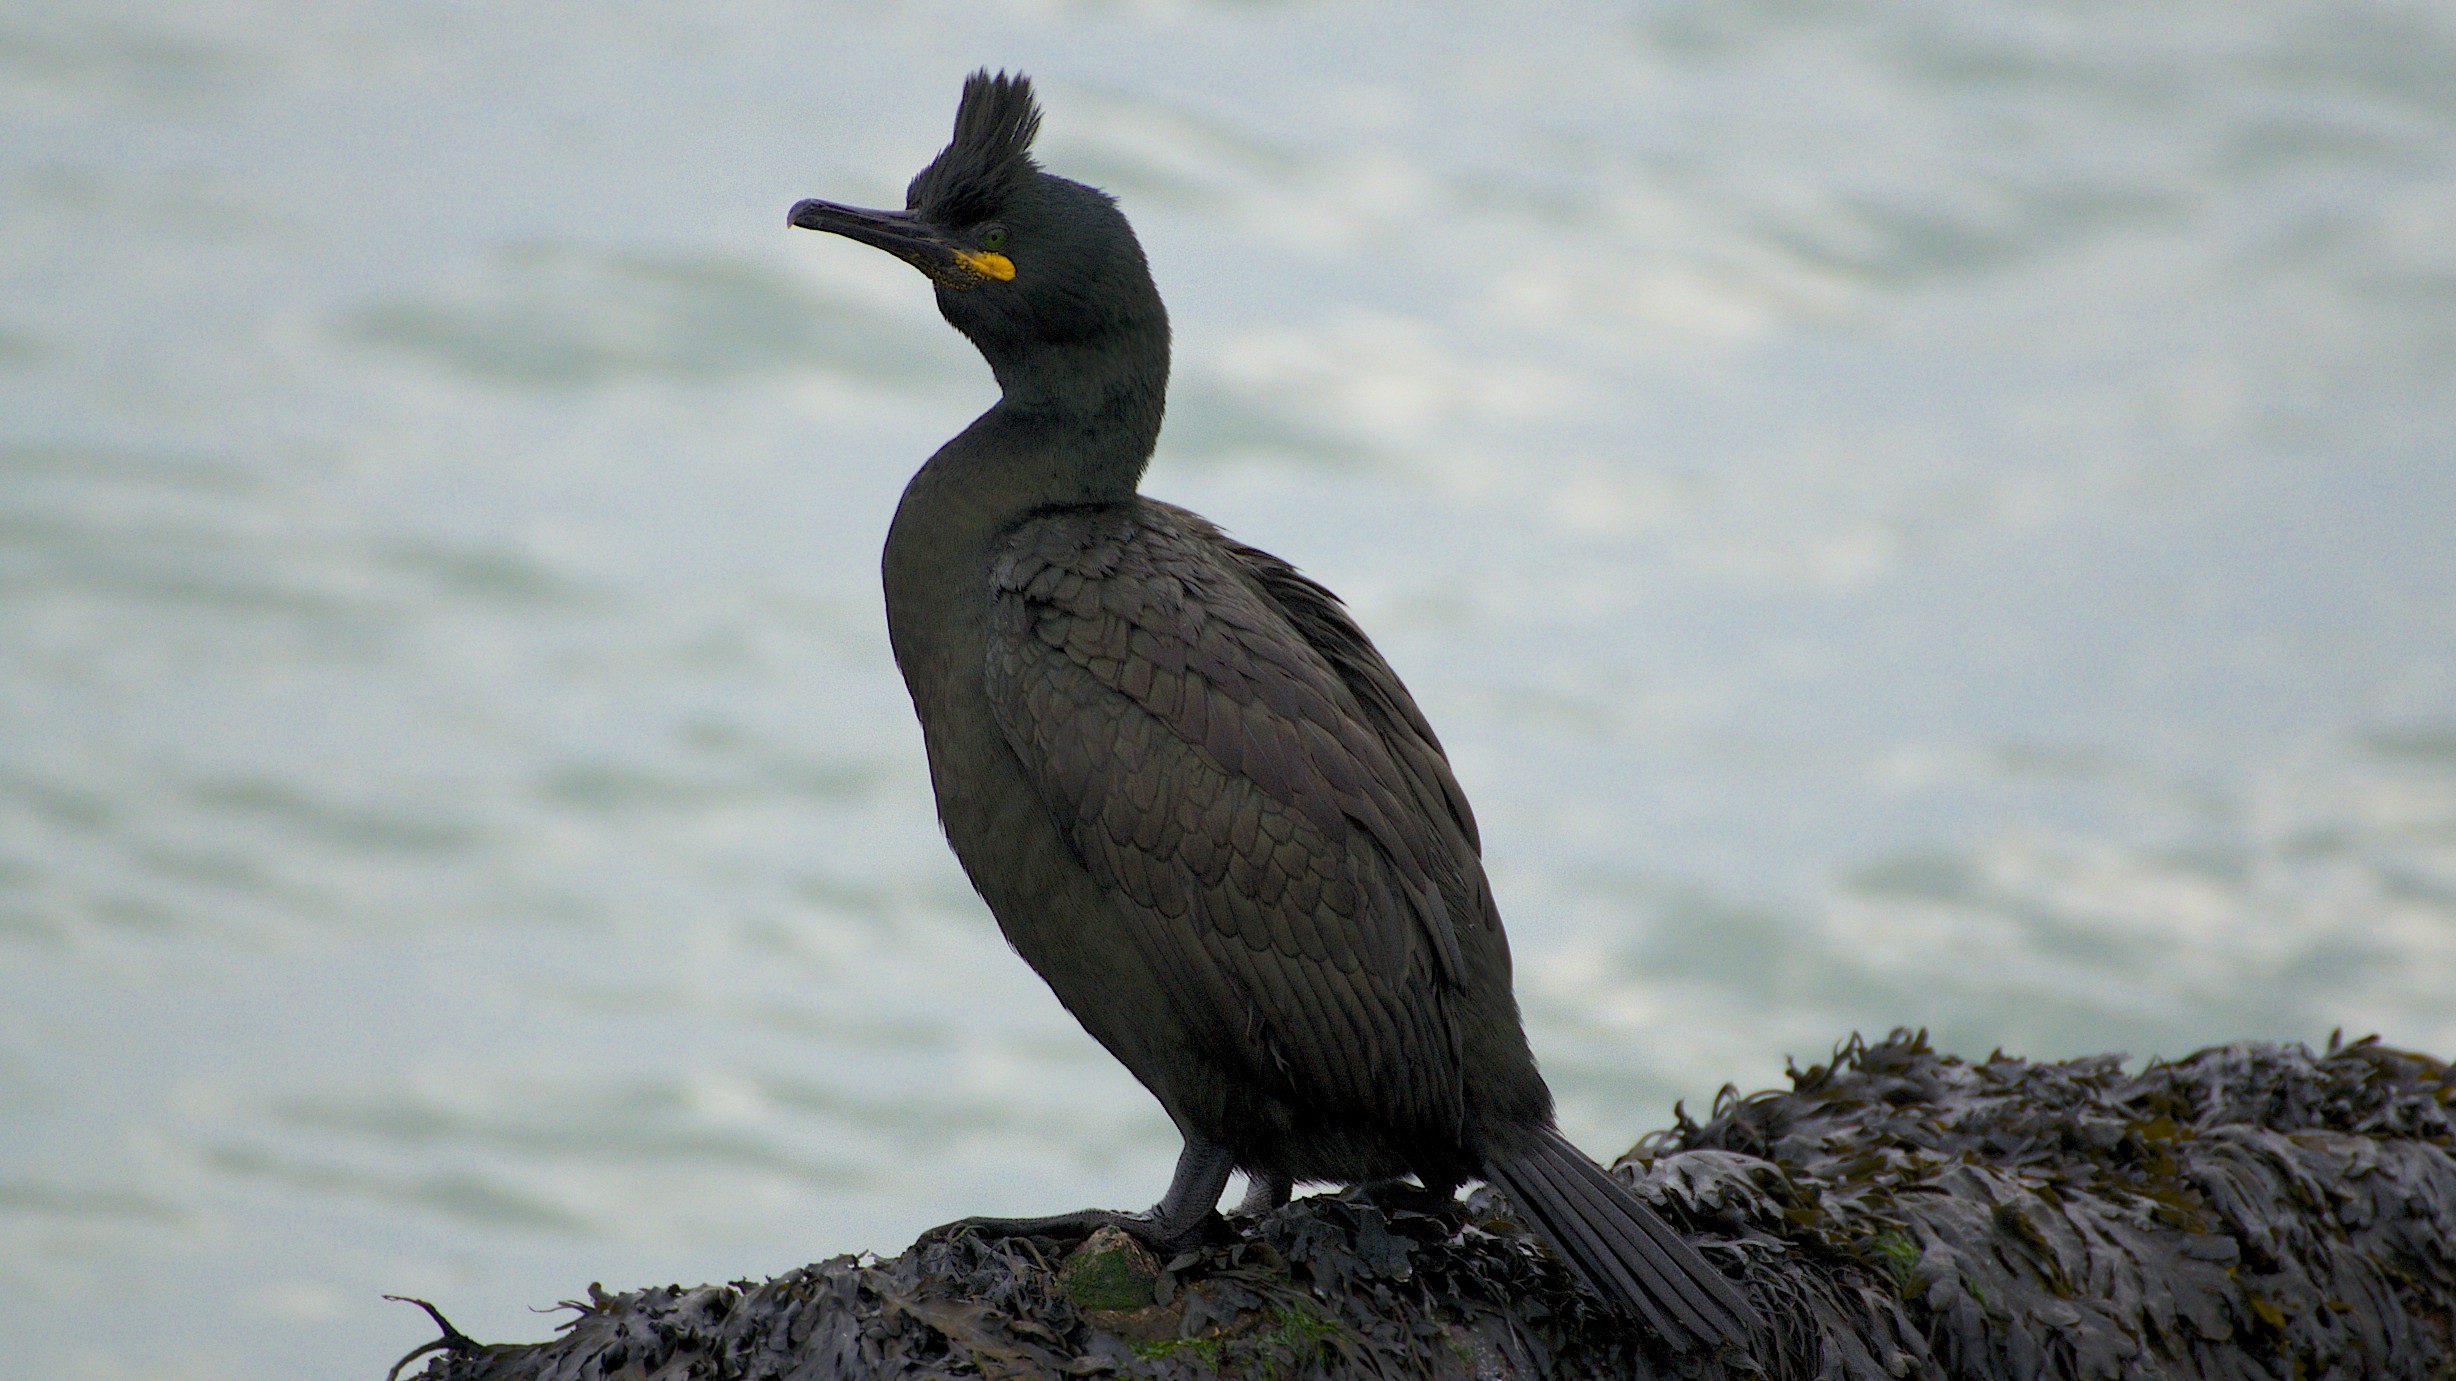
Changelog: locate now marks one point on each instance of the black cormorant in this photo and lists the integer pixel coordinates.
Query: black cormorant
(1198, 801)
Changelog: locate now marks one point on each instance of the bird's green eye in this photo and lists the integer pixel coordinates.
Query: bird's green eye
(993, 237)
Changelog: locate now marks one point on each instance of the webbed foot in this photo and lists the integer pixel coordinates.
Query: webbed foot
(1151, 1227)
(1189, 1214)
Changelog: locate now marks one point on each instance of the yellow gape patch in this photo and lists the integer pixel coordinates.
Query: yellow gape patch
(987, 265)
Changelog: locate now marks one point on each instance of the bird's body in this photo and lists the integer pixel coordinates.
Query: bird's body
(1199, 803)
(1159, 781)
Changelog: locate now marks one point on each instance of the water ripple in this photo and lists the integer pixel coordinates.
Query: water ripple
(569, 316)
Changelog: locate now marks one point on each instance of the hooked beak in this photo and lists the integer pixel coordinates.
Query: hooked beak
(908, 238)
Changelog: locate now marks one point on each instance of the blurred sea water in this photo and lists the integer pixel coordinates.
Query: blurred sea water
(1930, 515)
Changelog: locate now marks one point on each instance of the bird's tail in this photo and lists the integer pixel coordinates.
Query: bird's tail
(1618, 1247)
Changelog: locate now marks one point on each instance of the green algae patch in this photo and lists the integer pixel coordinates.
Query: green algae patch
(1206, 1351)
(1112, 1272)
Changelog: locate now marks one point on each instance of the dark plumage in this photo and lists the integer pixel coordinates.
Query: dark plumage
(1198, 801)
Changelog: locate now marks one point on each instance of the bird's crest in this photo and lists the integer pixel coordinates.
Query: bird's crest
(990, 155)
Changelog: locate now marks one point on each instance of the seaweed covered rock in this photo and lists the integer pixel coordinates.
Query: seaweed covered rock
(2253, 1211)
(2250, 1211)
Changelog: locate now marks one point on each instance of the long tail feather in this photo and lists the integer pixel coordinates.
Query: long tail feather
(1619, 1248)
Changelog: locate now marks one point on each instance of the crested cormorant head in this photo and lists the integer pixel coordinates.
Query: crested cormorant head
(1026, 264)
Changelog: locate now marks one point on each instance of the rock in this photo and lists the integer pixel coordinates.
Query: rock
(1111, 1273)
(2252, 1211)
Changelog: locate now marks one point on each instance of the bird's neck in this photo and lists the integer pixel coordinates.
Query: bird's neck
(1076, 424)
(1076, 429)
(1083, 417)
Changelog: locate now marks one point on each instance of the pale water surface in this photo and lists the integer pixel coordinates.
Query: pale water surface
(1904, 514)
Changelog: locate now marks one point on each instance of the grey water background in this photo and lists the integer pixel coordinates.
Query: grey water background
(1904, 514)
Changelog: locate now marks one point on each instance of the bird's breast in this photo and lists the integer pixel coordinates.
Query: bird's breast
(936, 573)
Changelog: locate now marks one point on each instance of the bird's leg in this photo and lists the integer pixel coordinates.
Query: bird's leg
(1181, 1215)
(1263, 1192)
(1192, 1197)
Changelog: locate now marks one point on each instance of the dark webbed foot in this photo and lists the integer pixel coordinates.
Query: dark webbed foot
(1188, 1214)
(1149, 1227)
(1064, 1229)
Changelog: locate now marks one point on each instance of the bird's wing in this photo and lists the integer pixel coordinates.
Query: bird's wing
(1291, 848)
(1380, 697)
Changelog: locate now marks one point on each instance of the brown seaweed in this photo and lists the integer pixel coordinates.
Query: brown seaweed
(2252, 1211)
